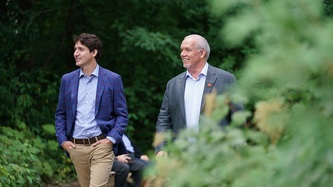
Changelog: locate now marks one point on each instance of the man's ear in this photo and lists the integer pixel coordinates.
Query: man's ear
(94, 52)
(203, 54)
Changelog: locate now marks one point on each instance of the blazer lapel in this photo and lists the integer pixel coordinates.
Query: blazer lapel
(181, 88)
(100, 88)
(75, 87)
(209, 85)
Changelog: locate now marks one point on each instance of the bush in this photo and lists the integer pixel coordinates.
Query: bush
(289, 82)
(19, 161)
(27, 160)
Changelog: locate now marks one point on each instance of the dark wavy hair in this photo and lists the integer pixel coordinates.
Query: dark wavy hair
(91, 41)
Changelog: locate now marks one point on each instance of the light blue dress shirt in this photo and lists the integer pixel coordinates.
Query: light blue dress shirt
(85, 123)
(128, 143)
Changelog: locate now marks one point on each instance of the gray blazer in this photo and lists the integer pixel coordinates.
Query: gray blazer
(172, 112)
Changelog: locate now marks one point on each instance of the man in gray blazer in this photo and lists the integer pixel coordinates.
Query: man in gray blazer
(183, 99)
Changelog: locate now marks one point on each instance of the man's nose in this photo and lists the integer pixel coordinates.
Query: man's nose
(182, 53)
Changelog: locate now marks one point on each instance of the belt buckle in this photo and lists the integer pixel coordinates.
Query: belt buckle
(87, 143)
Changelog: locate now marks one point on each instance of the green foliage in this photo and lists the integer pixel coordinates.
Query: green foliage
(286, 44)
(26, 160)
(29, 98)
(19, 161)
(29, 92)
(146, 42)
(141, 42)
(289, 82)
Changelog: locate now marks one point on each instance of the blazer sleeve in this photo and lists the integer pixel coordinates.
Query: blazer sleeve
(61, 113)
(120, 112)
(164, 122)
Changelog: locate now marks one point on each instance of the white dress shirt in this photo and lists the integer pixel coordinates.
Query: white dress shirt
(193, 96)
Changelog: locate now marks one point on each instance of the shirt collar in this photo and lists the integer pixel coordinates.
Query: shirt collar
(202, 73)
(94, 73)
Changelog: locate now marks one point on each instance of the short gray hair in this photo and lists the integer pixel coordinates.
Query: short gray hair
(201, 43)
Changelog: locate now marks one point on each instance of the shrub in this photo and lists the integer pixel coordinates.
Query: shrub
(19, 161)
(289, 82)
(29, 160)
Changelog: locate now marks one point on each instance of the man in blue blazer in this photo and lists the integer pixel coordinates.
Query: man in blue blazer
(184, 99)
(91, 115)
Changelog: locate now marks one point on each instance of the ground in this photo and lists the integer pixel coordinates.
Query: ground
(68, 184)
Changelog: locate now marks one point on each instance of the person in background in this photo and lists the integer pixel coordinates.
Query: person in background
(184, 97)
(134, 162)
(91, 114)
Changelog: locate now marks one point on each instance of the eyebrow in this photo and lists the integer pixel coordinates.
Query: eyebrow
(185, 48)
(78, 47)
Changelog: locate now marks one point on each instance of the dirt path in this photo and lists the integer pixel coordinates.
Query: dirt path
(69, 184)
(77, 184)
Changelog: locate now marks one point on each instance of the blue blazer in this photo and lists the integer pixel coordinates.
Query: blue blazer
(110, 107)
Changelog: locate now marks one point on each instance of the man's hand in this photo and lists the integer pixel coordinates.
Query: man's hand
(68, 145)
(161, 153)
(124, 158)
(102, 141)
(144, 157)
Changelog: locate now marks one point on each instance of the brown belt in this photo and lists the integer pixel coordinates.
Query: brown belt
(87, 141)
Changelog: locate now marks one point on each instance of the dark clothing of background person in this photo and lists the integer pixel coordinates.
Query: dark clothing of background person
(137, 161)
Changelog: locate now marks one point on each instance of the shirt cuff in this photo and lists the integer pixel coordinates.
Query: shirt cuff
(111, 139)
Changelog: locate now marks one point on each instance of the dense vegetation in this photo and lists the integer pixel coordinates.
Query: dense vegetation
(289, 80)
(280, 51)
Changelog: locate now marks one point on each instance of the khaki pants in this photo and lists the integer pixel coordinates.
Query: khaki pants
(93, 164)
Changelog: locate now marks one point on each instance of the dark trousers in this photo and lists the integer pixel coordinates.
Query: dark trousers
(136, 167)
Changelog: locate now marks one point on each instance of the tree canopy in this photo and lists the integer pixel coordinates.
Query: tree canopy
(141, 41)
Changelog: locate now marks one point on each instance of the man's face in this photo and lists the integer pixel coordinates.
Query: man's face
(189, 54)
(82, 54)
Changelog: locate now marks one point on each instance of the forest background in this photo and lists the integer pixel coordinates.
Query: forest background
(141, 43)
